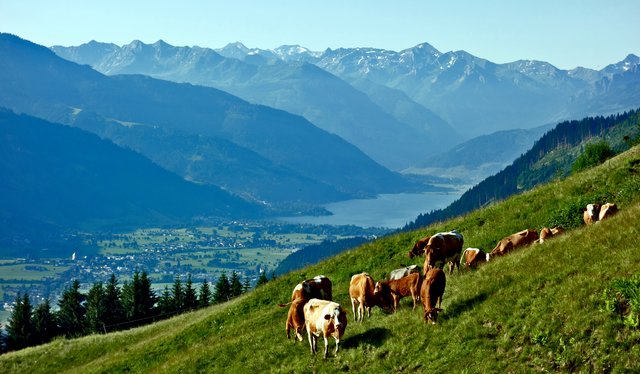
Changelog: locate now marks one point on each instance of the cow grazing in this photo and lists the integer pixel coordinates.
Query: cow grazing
(318, 287)
(418, 247)
(326, 318)
(431, 293)
(511, 242)
(295, 318)
(443, 247)
(607, 210)
(591, 214)
(546, 233)
(399, 288)
(472, 257)
(403, 272)
(362, 293)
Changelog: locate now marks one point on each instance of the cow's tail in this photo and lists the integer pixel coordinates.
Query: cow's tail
(284, 305)
(463, 257)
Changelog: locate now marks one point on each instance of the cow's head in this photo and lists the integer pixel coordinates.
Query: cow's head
(431, 315)
(418, 248)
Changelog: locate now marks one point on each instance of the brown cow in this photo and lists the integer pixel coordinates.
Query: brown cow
(431, 293)
(325, 318)
(549, 232)
(607, 210)
(318, 287)
(295, 318)
(399, 288)
(472, 257)
(418, 248)
(591, 213)
(443, 247)
(511, 242)
(362, 292)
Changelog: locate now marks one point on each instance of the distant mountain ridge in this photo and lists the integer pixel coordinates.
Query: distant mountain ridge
(394, 134)
(194, 131)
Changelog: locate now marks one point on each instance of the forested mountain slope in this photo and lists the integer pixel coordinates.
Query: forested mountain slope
(538, 309)
(550, 157)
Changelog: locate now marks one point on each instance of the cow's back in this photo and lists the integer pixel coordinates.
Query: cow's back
(361, 285)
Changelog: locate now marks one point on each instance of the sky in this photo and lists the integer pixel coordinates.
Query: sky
(565, 33)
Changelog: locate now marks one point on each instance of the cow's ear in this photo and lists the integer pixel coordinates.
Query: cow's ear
(327, 317)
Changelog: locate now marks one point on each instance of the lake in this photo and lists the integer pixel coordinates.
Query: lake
(387, 210)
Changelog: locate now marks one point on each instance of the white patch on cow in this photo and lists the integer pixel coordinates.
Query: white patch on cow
(318, 278)
(488, 257)
(474, 250)
(590, 209)
(298, 287)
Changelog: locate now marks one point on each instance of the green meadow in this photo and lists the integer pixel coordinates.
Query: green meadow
(541, 308)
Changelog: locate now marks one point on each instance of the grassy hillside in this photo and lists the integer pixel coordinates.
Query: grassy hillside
(537, 309)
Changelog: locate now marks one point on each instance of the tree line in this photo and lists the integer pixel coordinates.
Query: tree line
(108, 307)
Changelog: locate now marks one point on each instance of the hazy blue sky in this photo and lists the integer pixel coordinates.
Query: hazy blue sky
(566, 33)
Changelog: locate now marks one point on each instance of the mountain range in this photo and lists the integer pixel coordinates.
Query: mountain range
(401, 108)
(202, 134)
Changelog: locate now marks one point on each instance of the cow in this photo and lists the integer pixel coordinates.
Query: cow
(511, 242)
(472, 257)
(362, 293)
(431, 293)
(295, 318)
(549, 232)
(403, 272)
(318, 287)
(443, 247)
(326, 318)
(591, 213)
(418, 247)
(399, 288)
(607, 210)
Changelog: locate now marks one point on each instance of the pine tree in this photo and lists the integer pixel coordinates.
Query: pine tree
(178, 295)
(223, 289)
(44, 323)
(72, 311)
(147, 296)
(190, 299)
(236, 285)
(113, 304)
(130, 298)
(204, 296)
(165, 303)
(96, 309)
(262, 279)
(20, 332)
(246, 285)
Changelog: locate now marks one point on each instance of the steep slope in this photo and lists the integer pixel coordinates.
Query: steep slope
(550, 157)
(35, 81)
(538, 309)
(58, 178)
(297, 87)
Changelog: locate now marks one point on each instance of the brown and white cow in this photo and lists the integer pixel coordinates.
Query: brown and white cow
(607, 210)
(295, 318)
(443, 247)
(399, 288)
(591, 214)
(326, 318)
(431, 293)
(546, 233)
(517, 240)
(472, 257)
(362, 293)
(418, 247)
(318, 287)
(403, 272)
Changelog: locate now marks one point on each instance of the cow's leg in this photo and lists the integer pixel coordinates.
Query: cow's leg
(326, 345)
(337, 343)
(353, 307)
(310, 335)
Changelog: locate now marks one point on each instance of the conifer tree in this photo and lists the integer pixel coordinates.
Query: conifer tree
(20, 332)
(262, 279)
(96, 309)
(204, 295)
(246, 285)
(44, 323)
(147, 296)
(222, 292)
(165, 302)
(236, 285)
(72, 311)
(178, 294)
(113, 304)
(130, 298)
(190, 298)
